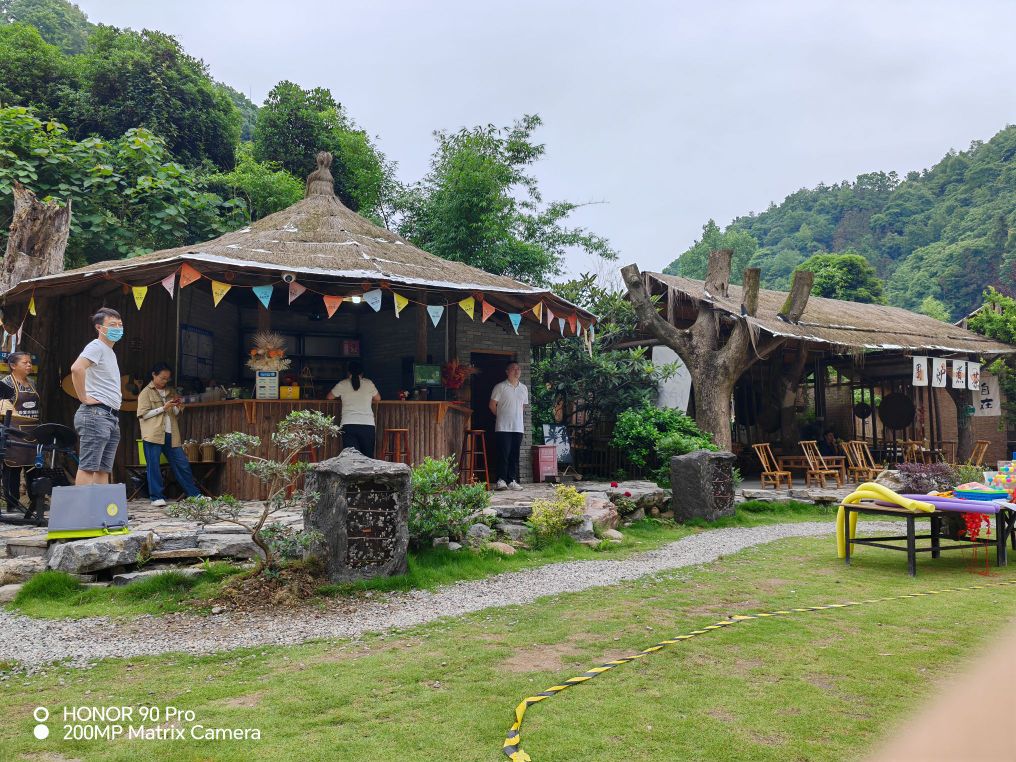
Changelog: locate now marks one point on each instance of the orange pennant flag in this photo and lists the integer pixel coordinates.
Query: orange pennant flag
(487, 309)
(332, 303)
(188, 275)
(572, 323)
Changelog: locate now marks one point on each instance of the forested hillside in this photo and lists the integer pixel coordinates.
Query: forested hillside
(936, 237)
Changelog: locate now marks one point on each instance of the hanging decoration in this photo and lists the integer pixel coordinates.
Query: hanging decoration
(538, 311)
(400, 303)
(188, 275)
(516, 320)
(264, 294)
(140, 292)
(486, 310)
(295, 291)
(550, 317)
(468, 306)
(435, 311)
(974, 376)
(959, 374)
(31, 306)
(332, 303)
(560, 322)
(373, 298)
(219, 290)
(939, 372)
(169, 283)
(920, 376)
(573, 323)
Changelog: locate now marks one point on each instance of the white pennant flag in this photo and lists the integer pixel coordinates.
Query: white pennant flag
(435, 311)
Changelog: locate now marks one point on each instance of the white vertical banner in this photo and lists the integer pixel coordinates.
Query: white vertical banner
(939, 372)
(974, 376)
(987, 401)
(920, 371)
(959, 374)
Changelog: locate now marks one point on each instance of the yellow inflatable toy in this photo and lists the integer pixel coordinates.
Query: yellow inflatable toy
(872, 491)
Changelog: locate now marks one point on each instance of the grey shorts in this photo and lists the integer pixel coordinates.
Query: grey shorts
(98, 437)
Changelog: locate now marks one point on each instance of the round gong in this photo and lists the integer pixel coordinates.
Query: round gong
(862, 410)
(896, 411)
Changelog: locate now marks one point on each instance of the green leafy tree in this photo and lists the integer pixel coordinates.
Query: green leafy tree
(264, 186)
(997, 320)
(60, 23)
(129, 195)
(247, 108)
(934, 308)
(844, 276)
(480, 205)
(33, 72)
(692, 264)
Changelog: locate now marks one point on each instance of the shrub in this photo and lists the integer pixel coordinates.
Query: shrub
(967, 473)
(440, 506)
(919, 478)
(550, 518)
(651, 436)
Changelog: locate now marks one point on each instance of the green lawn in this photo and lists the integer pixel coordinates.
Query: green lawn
(824, 685)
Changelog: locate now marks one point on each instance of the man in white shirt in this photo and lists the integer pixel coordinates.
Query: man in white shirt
(96, 377)
(508, 402)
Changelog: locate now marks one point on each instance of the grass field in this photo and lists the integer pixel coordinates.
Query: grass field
(816, 686)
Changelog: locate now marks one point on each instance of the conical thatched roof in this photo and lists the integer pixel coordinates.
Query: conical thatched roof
(317, 238)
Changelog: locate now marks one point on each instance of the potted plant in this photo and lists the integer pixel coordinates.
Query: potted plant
(454, 376)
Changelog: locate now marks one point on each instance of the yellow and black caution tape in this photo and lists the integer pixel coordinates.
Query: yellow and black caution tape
(512, 743)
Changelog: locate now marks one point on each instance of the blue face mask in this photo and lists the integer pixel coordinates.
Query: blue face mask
(114, 334)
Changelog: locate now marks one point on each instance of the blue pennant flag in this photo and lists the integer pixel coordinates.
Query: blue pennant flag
(264, 293)
(516, 319)
(435, 311)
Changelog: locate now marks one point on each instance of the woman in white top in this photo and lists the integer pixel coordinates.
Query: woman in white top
(358, 394)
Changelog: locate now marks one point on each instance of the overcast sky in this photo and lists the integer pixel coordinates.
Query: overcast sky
(668, 113)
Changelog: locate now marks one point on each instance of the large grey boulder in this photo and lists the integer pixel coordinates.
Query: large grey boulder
(216, 545)
(361, 516)
(517, 511)
(891, 478)
(96, 553)
(601, 510)
(703, 485)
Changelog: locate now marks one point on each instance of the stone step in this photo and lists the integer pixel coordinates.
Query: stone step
(159, 555)
(31, 547)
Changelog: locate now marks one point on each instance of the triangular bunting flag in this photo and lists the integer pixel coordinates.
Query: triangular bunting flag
(332, 303)
(188, 275)
(468, 306)
(169, 283)
(486, 309)
(140, 292)
(295, 291)
(538, 311)
(400, 303)
(264, 294)
(19, 336)
(516, 319)
(435, 311)
(373, 298)
(31, 306)
(550, 318)
(560, 322)
(219, 290)
(572, 323)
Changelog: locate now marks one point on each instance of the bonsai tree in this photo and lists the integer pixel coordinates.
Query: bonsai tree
(298, 431)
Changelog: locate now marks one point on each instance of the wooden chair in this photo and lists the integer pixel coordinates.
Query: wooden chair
(977, 456)
(948, 450)
(771, 473)
(864, 467)
(912, 451)
(817, 468)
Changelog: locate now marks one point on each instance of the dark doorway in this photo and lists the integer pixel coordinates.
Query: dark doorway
(491, 367)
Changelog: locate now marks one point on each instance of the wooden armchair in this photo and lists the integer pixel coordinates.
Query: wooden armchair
(977, 456)
(863, 464)
(771, 473)
(817, 468)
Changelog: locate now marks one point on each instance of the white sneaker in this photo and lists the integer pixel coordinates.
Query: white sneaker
(500, 485)
(158, 503)
(515, 486)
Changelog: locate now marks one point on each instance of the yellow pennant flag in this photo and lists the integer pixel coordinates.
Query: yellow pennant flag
(140, 292)
(219, 290)
(468, 306)
(538, 311)
(400, 303)
(31, 306)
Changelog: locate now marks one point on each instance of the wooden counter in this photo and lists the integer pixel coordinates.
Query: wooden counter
(435, 430)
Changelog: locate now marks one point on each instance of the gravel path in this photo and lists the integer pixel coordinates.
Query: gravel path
(34, 642)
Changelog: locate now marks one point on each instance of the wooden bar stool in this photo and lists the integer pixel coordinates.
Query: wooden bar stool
(395, 446)
(473, 459)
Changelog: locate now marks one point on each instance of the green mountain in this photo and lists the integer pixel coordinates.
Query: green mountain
(944, 233)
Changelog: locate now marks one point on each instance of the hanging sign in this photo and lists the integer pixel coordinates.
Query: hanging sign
(435, 311)
(468, 306)
(400, 303)
(264, 294)
(920, 371)
(939, 372)
(295, 291)
(219, 290)
(515, 319)
(188, 275)
(373, 298)
(169, 282)
(959, 374)
(140, 292)
(987, 399)
(332, 303)
(974, 376)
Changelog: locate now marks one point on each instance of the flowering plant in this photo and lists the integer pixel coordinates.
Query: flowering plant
(268, 353)
(454, 374)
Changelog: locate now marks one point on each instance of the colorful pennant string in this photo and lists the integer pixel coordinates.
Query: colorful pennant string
(373, 298)
(516, 320)
(295, 291)
(468, 306)
(219, 290)
(400, 303)
(188, 275)
(31, 306)
(538, 311)
(140, 292)
(486, 310)
(332, 303)
(435, 311)
(264, 294)
(169, 283)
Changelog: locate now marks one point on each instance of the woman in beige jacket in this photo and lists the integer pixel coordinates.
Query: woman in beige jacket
(158, 410)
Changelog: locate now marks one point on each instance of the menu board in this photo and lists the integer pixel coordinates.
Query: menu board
(267, 385)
